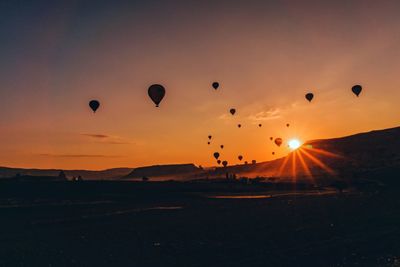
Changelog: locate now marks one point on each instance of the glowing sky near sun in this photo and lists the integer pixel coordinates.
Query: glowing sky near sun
(266, 55)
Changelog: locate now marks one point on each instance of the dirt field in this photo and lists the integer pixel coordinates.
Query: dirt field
(168, 224)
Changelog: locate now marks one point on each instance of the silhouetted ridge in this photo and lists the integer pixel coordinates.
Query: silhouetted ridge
(108, 174)
(342, 156)
(30, 178)
(162, 170)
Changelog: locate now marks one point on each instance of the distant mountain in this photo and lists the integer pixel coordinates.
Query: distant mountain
(162, 172)
(108, 174)
(346, 156)
(172, 171)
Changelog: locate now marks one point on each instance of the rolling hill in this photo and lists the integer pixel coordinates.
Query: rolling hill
(346, 156)
(171, 171)
(108, 174)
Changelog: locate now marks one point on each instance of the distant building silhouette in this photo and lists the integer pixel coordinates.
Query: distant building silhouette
(77, 179)
(62, 175)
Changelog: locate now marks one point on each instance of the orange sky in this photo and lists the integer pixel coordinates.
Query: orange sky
(266, 56)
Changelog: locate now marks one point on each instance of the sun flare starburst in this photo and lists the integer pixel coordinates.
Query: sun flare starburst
(294, 144)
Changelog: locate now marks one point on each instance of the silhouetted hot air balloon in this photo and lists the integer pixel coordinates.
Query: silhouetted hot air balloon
(208, 143)
(225, 163)
(239, 125)
(221, 146)
(245, 163)
(209, 137)
(278, 141)
(287, 125)
(216, 155)
(219, 161)
(232, 111)
(240, 157)
(94, 105)
(156, 93)
(273, 153)
(271, 138)
(356, 89)
(215, 85)
(309, 96)
(260, 125)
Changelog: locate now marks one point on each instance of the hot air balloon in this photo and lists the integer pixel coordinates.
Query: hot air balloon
(356, 89)
(232, 111)
(309, 96)
(271, 138)
(240, 157)
(287, 125)
(215, 85)
(156, 93)
(239, 125)
(221, 146)
(94, 105)
(278, 141)
(245, 163)
(209, 137)
(225, 163)
(216, 155)
(208, 143)
(273, 153)
(219, 161)
(260, 125)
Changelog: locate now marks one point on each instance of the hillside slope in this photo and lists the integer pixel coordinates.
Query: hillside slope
(358, 153)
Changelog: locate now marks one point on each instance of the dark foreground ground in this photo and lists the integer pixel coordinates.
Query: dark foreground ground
(169, 224)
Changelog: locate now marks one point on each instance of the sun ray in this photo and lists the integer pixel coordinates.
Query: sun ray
(305, 167)
(283, 165)
(319, 162)
(294, 166)
(322, 152)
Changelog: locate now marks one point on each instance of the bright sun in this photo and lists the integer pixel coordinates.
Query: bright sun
(294, 144)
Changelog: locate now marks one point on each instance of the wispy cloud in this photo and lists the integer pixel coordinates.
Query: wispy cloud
(78, 155)
(107, 139)
(100, 136)
(224, 116)
(266, 115)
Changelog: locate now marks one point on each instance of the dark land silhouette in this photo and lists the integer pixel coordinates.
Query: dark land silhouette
(345, 213)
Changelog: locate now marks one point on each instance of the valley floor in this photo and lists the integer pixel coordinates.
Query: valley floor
(94, 224)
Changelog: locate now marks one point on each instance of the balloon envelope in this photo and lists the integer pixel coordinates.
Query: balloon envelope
(278, 141)
(260, 125)
(309, 96)
(209, 137)
(215, 85)
(225, 163)
(216, 155)
(356, 89)
(240, 157)
(232, 111)
(222, 146)
(219, 161)
(239, 125)
(94, 105)
(156, 93)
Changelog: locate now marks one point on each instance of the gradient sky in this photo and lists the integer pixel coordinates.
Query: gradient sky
(57, 55)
